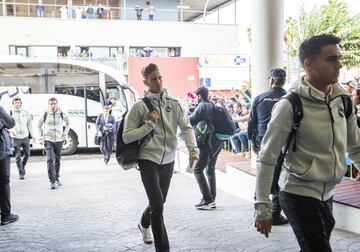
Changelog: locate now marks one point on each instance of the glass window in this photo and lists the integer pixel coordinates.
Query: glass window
(117, 92)
(63, 51)
(76, 91)
(94, 94)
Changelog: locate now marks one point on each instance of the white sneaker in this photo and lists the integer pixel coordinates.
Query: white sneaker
(146, 234)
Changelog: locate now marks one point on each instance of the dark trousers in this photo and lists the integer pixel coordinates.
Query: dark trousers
(53, 154)
(21, 146)
(207, 158)
(276, 207)
(5, 186)
(311, 220)
(156, 180)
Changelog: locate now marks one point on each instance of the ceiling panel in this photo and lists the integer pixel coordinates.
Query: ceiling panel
(197, 7)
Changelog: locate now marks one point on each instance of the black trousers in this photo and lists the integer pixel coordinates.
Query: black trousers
(21, 145)
(53, 154)
(5, 186)
(156, 180)
(311, 220)
(207, 158)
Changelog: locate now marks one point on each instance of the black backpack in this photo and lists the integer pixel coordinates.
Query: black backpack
(203, 132)
(127, 155)
(298, 113)
(223, 123)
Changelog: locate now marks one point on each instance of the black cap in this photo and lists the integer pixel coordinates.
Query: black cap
(277, 73)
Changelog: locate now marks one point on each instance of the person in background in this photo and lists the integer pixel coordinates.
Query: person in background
(157, 154)
(151, 10)
(106, 130)
(117, 110)
(21, 135)
(54, 127)
(209, 151)
(40, 9)
(138, 11)
(6, 123)
(259, 119)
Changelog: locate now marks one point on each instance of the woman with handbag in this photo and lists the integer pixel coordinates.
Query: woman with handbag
(106, 130)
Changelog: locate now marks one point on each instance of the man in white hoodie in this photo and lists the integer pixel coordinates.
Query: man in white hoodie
(21, 134)
(157, 153)
(312, 169)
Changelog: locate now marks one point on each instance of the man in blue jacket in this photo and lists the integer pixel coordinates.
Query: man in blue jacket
(259, 118)
(310, 171)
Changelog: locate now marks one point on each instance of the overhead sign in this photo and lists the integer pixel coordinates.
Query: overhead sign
(223, 72)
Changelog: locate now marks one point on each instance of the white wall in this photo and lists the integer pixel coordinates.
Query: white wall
(194, 39)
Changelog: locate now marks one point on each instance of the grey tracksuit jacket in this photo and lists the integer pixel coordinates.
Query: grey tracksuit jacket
(318, 163)
(160, 148)
(54, 128)
(23, 124)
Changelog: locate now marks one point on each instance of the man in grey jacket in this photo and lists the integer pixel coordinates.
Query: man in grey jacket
(53, 127)
(157, 154)
(21, 134)
(310, 173)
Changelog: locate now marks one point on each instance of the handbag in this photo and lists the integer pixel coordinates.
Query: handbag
(97, 140)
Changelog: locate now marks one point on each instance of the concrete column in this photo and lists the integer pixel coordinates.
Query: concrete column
(4, 8)
(266, 44)
(266, 41)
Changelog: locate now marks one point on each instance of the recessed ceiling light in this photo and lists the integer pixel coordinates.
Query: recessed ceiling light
(183, 7)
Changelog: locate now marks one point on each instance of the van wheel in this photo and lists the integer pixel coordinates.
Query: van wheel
(70, 144)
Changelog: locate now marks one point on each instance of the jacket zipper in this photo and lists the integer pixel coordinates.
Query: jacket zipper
(54, 126)
(332, 144)
(19, 118)
(162, 122)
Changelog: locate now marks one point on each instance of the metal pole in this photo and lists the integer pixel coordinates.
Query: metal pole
(181, 11)
(204, 13)
(4, 8)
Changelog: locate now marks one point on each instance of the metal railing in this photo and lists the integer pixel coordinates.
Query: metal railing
(14, 9)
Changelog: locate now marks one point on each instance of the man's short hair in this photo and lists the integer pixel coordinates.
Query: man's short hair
(17, 98)
(310, 48)
(278, 75)
(146, 71)
(203, 91)
(52, 99)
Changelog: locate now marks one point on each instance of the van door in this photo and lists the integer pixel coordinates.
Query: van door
(94, 103)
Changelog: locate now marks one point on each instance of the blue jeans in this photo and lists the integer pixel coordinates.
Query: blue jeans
(207, 159)
(244, 140)
(236, 143)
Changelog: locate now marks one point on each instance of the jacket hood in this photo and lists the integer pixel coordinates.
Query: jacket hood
(306, 90)
(157, 96)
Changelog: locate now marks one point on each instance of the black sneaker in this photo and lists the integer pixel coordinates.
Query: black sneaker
(279, 220)
(52, 185)
(206, 205)
(21, 177)
(9, 218)
(58, 183)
